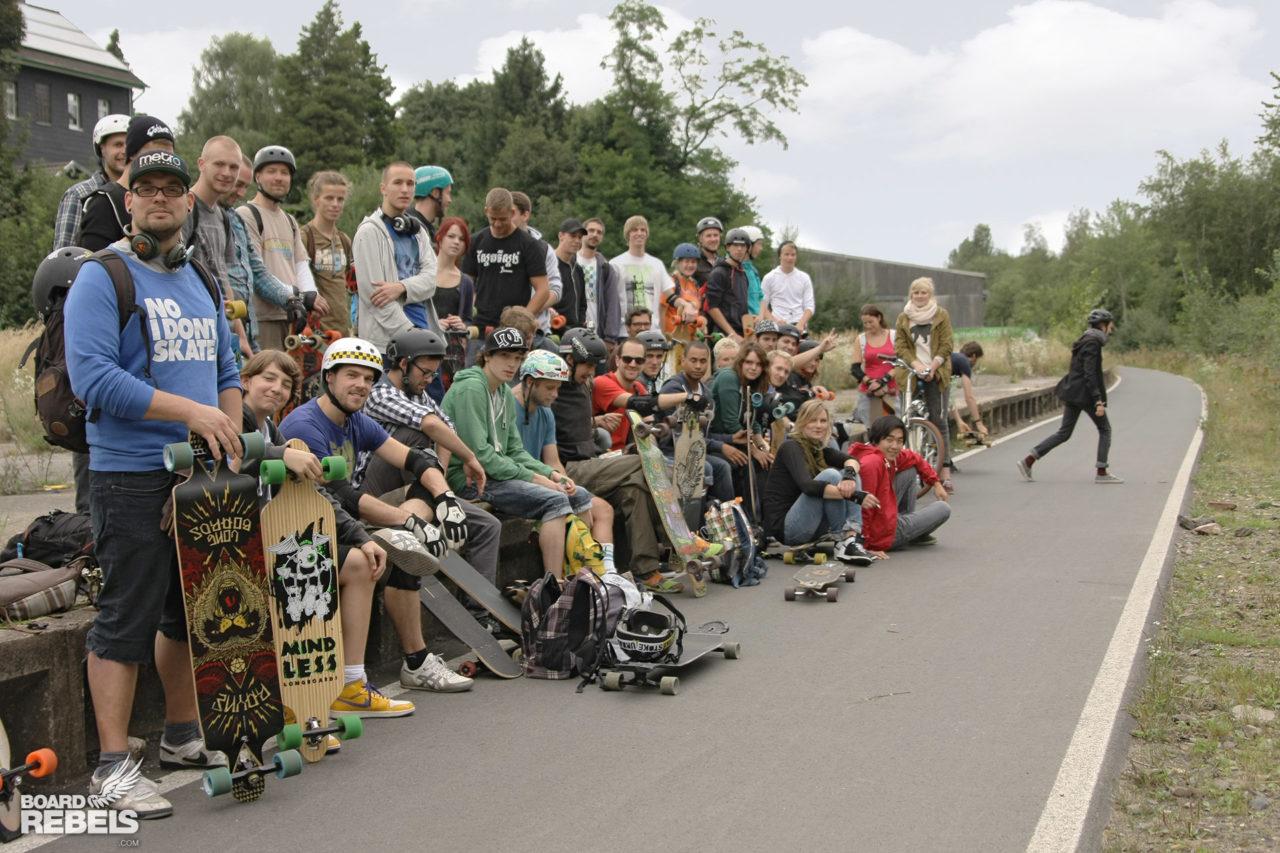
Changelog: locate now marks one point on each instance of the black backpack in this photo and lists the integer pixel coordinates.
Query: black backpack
(61, 412)
(54, 539)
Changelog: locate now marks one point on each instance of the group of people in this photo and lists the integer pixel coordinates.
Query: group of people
(532, 422)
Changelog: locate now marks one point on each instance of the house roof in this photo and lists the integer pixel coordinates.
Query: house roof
(54, 43)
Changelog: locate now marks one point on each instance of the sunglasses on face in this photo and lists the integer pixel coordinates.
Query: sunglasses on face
(631, 359)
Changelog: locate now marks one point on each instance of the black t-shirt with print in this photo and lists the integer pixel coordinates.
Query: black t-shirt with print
(503, 269)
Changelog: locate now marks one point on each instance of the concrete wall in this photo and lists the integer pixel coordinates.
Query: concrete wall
(963, 294)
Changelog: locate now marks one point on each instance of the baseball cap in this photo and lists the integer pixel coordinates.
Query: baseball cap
(144, 129)
(159, 161)
(505, 338)
(572, 226)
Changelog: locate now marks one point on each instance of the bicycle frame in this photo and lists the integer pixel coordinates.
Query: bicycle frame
(923, 435)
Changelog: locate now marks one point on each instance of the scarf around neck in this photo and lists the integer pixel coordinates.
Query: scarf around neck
(917, 316)
(812, 452)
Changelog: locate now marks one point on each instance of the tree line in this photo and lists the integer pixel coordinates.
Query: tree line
(1193, 265)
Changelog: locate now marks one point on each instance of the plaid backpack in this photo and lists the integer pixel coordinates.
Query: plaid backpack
(564, 628)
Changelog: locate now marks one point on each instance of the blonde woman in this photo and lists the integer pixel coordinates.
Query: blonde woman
(923, 339)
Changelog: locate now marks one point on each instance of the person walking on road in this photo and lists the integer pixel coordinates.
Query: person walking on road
(1082, 390)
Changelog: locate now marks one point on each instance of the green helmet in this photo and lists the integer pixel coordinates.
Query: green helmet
(428, 178)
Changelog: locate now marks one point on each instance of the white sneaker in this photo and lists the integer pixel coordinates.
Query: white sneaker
(433, 675)
(122, 786)
(406, 552)
(1104, 479)
(189, 754)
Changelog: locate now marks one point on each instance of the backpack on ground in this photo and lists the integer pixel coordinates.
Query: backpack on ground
(565, 628)
(55, 539)
(581, 550)
(62, 414)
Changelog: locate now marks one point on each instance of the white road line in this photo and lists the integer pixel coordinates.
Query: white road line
(1063, 820)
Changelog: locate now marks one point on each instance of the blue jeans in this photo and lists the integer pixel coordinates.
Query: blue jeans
(528, 500)
(141, 592)
(810, 517)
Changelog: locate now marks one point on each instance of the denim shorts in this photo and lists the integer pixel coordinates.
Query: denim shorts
(528, 500)
(141, 592)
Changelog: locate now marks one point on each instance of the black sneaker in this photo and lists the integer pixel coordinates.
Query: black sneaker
(851, 551)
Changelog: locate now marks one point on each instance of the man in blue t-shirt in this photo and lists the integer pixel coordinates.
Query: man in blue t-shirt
(169, 372)
(333, 425)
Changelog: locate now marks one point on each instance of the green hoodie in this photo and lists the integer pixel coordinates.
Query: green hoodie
(491, 433)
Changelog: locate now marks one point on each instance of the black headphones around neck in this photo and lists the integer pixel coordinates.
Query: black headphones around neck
(403, 223)
(146, 247)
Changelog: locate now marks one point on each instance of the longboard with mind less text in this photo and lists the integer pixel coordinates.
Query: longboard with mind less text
(299, 533)
(226, 593)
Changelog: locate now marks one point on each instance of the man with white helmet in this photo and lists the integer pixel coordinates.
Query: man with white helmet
(333, 425)
(108, 149)
(104, 216)
(541, 377)
(710, 230)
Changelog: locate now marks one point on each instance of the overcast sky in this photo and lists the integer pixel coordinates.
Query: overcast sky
(921, 119)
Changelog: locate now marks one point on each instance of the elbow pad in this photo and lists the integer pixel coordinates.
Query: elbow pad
(420, 462)
(644, 404)
(348, 497)
(856, 371)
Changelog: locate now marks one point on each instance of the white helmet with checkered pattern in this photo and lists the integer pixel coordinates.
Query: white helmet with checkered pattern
(352, 351)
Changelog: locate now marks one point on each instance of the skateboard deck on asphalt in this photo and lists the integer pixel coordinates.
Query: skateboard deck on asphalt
(809, 552)
(39, 763)
(471, 665)
(476, 585)
(819, 580)
(298, 531)
(690, 463)
(653, 674)
(692, 552)
(437, 599)
(226, 590)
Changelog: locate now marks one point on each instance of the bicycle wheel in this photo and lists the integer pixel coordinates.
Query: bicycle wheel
(924, 438)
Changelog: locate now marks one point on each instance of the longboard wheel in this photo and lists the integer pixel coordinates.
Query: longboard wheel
(669, 685)
(612, 681)
(832, 594)
(273, 472)
(469, 669)
(349, 728)
(819, 558)
(291, 736)
(236, 310)
(789, 593)
(733, 651)
(789, 557)
(254, 444)
(42, 761)
(179, 456)
(850, 575)
(334, 468)
(216, 782)
(288, 763)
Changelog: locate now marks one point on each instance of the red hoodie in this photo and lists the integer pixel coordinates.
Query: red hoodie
(881, 524)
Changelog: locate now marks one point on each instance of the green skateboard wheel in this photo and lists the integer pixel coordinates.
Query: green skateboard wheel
(288, 763)
(273, 472)
(334, 468)
(179, 456)
(216, 782)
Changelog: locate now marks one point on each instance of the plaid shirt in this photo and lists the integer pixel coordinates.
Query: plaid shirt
(70, 208)
(391, 407)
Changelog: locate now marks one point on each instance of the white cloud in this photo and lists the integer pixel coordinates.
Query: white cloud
(1011, 236)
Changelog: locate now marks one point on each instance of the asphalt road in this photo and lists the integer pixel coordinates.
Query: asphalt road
(929, 709)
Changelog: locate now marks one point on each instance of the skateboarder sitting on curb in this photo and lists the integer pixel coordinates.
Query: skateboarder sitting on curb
(541, 377)
(619, 479)
(1083, 389)
(401, 404)
(889, 472)
(332, 424)
(814, 489)
(141, 404)
(269, 380)
(620, 390)
(485, 413)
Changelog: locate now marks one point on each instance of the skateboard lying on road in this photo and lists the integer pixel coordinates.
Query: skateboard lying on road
(654, 674)
(694, 553)
(442, 605)
(478, 587)
(298, 532)
(810, 552)
(819, 580)
(39, 763)
(225, 590)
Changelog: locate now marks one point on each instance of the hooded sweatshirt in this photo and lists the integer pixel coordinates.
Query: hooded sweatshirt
(880, 525)
(488, 423)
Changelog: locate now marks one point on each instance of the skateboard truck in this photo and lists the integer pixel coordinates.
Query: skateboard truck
(314, 733)
(248, 780)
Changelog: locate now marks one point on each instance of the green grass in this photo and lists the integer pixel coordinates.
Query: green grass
(26, 461)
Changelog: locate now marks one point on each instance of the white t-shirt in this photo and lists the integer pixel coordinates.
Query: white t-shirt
(641, 281)
(788, 295)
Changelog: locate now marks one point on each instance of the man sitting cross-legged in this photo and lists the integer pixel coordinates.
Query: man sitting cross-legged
(332, 424)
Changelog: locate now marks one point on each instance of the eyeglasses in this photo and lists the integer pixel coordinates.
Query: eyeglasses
(631, 359)
(150, 190)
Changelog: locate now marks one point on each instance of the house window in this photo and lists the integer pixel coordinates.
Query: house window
(11, 100)
(104, 108)
(73, 111)
(44, 104)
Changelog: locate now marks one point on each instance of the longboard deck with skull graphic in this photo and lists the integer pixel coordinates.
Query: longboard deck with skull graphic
(226, 591)
(298, 531)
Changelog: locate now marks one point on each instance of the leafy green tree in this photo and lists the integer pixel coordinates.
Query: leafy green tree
(113, 46)
(967, 255)
(333, 96)
(233, 92)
